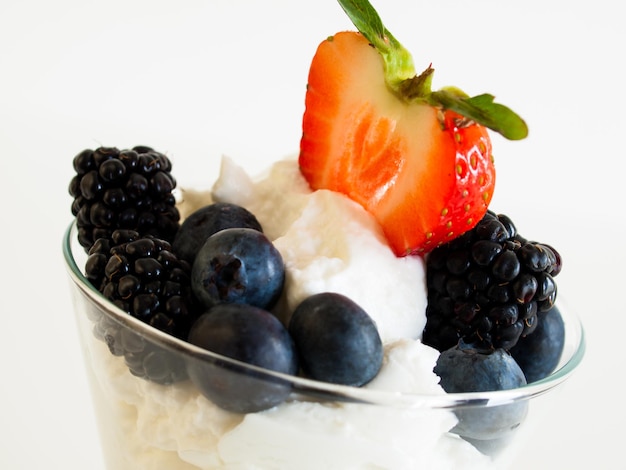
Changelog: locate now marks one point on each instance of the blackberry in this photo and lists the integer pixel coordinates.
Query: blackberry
(127, 189)
(140, 275)
(488, 286)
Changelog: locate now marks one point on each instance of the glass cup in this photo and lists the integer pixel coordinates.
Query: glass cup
(181, 419)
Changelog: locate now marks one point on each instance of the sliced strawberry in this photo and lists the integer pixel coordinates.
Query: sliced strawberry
(374, 131)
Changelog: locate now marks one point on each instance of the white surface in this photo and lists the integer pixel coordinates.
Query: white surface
(198, 79)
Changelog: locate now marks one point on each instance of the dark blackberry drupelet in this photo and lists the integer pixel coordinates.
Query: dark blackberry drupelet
(127, 189)
(141, 276)
(488, 286)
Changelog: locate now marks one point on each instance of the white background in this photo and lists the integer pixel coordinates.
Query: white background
(199, 79)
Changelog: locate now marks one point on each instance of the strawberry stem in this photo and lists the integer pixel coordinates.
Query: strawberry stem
(397, 60)
(401, 78)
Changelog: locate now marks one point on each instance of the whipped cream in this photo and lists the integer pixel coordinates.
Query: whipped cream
(176, 428)
(328, 243)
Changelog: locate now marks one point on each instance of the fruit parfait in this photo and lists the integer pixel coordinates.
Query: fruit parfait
(357, 306)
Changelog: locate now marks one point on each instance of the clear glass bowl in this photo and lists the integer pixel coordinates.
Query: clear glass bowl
(147, 425)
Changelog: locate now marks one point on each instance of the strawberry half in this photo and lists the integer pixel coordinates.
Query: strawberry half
(419, 161)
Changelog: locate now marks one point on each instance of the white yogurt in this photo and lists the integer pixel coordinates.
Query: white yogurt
(328, 243)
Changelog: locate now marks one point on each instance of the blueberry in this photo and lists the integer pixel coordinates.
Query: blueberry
(238, 265)
(464, 368)
(539, 353)
(250, 335)
(336, 339)
(206, 221)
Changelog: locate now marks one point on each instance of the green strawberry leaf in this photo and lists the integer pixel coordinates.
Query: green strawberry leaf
(483, 110)
(401, 78)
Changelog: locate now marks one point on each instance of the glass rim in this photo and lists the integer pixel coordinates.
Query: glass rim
(306, 388)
